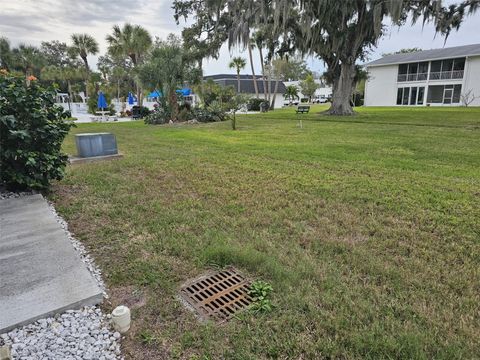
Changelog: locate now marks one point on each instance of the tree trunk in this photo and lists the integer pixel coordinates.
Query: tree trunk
(272, 106)
(173, 104)
(342, 91)
(269, 79)
(70, 98)
(238, 81)
(269, 88)
(234, 122)
(255, 85)
(87, 73)
(139, 95)
(263, 73)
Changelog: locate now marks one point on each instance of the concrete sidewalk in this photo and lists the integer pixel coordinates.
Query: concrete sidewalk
(40, 272)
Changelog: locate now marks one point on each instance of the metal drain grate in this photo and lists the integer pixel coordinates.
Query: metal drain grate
(217, 296)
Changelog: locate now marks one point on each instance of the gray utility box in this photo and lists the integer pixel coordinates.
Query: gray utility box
(96, 144)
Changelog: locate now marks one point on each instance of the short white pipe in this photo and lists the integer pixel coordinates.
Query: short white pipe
(121, 319)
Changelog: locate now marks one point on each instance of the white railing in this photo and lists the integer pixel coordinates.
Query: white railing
(412, 77)
(446, 75)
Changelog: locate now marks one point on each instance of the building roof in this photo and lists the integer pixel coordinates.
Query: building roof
(230, 76)
(427, 55)
(246, 83)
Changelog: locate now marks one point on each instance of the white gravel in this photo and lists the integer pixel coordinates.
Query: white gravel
(75, 334)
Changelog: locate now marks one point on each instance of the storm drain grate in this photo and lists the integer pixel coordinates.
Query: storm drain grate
(217, 296)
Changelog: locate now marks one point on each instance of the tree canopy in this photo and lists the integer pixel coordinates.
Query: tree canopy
(339, 32)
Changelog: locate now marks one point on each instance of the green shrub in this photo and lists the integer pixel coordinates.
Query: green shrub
(161, 115)
(32, 130)
(144, 111)
(209, 91)
(254, 104)
(216, 111)
(184, 115)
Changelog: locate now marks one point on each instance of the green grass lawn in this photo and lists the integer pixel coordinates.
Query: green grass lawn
(367, 227)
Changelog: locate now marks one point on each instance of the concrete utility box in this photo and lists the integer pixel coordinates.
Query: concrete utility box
(96, 144)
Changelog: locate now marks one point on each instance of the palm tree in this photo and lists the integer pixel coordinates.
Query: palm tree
(238, 63)
(82, 46)
(65, 74)
(291, 92)
(28, 59)
(258, 38)
(255, 85)
(133, 42)
(279, 67)
(241, 32)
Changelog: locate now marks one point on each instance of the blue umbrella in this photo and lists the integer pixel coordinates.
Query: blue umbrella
(155, 94)
(101, 102)
(131, 100)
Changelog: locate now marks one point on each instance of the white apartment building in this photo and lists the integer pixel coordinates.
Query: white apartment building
(431, 77)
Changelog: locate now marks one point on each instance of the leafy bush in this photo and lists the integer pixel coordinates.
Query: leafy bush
(32, 130)
(209, 91)
(254, 104)
(185, 105)
(202, 115)
(161, 115)
(140, 112)
(184, 115)
(216, 111)
(144, 111)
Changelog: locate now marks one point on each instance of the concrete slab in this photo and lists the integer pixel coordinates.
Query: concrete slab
(80, 160)
(40, 272)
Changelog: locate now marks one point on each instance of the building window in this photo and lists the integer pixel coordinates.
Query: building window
(413, 72)
(435, 94)
(421, 95)
(457, 90)
(447, 69)
(406, 93)
(410, 95)
(399, 96)
(444, 94)
(413, 96)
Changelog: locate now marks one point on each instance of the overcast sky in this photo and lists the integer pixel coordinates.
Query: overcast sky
(34, 21)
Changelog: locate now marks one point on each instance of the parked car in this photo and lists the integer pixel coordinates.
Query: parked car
(322, 99)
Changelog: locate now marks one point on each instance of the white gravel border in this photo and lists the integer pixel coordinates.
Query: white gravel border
(75, 334)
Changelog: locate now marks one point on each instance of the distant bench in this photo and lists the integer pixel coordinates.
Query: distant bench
(302, 109)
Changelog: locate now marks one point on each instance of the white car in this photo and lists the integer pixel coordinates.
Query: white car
(320, 100)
